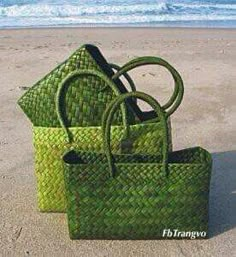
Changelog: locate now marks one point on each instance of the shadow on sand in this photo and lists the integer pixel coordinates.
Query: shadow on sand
(223, 193)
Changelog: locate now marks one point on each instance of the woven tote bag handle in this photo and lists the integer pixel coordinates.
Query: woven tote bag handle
(177, 96)
(63, 87)
(126, 76)
(109, 114)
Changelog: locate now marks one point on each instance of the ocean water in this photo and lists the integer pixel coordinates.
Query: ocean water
(179, 13)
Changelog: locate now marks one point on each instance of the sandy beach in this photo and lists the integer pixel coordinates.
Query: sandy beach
(206, 59)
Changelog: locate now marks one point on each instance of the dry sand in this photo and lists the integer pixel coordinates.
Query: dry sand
(207, 61)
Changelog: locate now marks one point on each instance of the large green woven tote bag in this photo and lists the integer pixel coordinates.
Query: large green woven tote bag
(137, 196)
(51, 142)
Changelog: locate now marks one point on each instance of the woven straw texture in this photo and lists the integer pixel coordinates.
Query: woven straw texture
(136, 196)
(81, 96)
(51, 143)
(88, 95)
(141, 201)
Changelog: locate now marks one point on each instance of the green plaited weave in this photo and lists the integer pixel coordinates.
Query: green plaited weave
(79, 90)
(136, 196)
(51, 143)
(88, 95)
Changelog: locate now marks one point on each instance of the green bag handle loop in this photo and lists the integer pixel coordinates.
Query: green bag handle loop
(109, 114)
(126, 75)
(63, 87)
(177, 96)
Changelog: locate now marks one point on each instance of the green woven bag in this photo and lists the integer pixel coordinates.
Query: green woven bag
(51, 142)
(137, 196)
(89, 95)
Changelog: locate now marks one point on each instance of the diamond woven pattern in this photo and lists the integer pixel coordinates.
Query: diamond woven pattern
(141, 200)
(50, 145)
(84, 95)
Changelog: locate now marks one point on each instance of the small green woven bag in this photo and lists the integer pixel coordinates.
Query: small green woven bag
(51, 142)
(137, 196)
